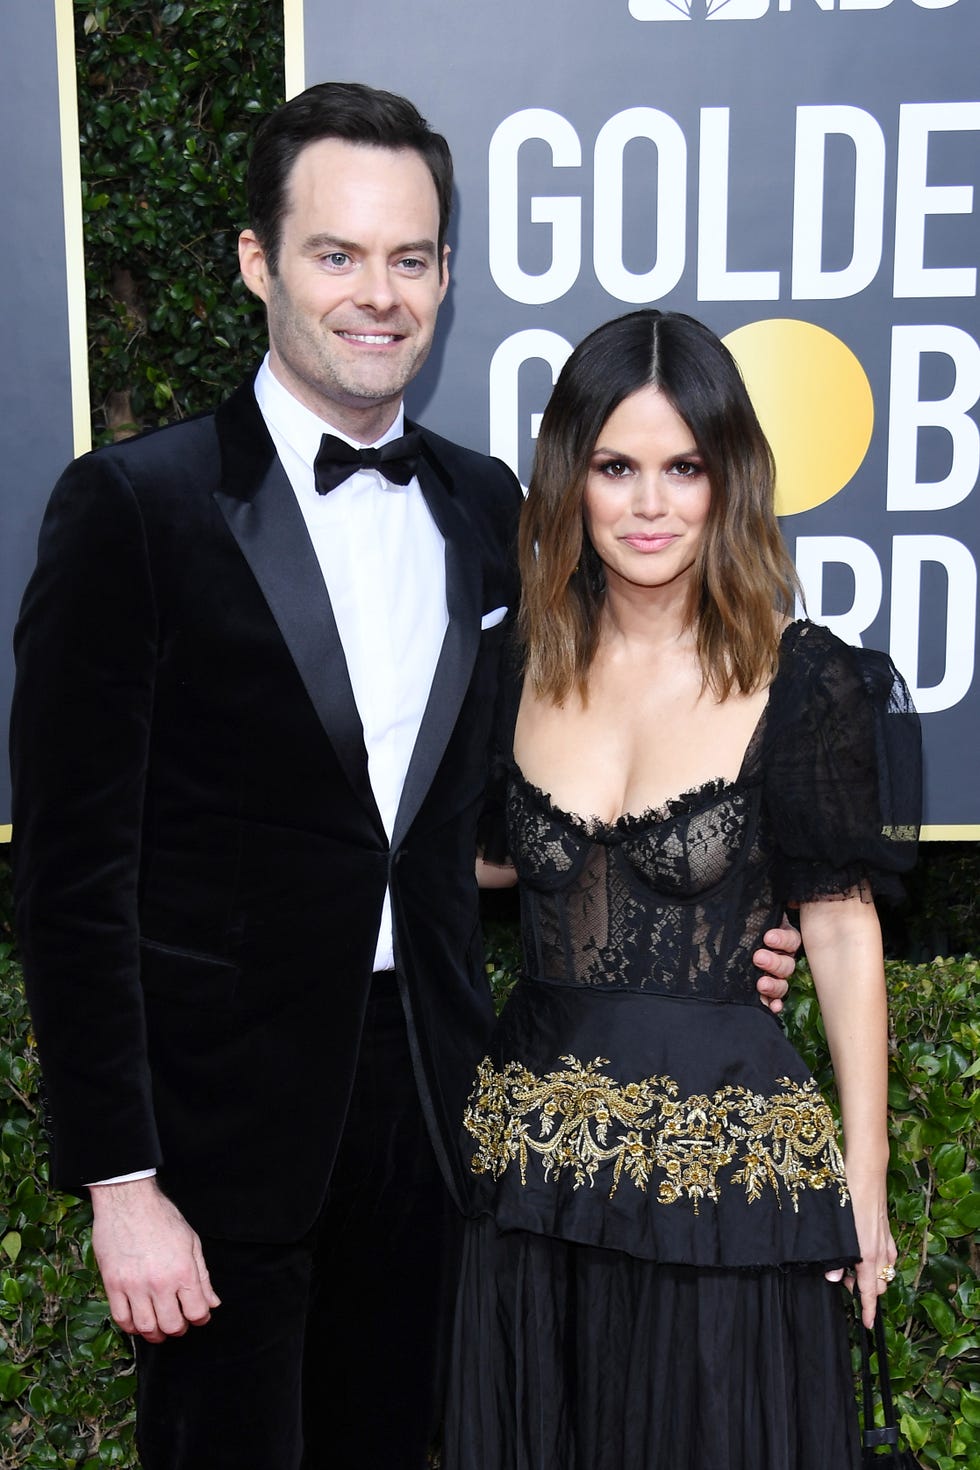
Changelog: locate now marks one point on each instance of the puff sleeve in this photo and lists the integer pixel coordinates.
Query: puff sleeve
(843, 777)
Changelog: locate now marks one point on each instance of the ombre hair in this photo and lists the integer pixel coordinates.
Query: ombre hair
(743, 578)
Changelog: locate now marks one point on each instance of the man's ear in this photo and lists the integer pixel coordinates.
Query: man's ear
(253, 264)
(444, 271)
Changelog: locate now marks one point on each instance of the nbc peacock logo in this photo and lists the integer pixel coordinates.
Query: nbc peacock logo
(754, 9)
(690, 9)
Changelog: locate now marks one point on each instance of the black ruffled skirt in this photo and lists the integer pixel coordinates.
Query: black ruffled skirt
(576, 1357)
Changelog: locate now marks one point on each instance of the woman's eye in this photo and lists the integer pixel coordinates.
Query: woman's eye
(687, 469)
(614, 469)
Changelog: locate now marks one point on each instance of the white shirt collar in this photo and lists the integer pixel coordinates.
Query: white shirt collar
(298, 425)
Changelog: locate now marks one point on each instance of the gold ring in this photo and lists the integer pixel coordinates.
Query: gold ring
(887, 1274)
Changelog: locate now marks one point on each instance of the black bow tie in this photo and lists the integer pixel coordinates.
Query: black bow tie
(337, 460)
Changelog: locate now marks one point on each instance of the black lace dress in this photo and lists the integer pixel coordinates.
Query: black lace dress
(658, 1186)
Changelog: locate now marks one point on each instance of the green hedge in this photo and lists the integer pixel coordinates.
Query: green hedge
(934, 1191)
(66, 1380)
(168, 98)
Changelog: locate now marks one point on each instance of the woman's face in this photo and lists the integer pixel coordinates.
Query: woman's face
(646, 494)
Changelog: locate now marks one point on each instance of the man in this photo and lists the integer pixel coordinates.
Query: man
(255, 688)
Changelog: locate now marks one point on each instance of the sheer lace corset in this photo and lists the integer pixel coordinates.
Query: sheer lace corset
(676, 900)
(673, 900)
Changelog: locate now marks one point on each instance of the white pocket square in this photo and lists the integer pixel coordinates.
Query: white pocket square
(491, 619)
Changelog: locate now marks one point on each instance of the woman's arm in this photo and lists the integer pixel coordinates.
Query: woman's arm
(843, 944)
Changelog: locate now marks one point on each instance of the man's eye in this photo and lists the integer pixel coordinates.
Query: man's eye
(412, 263)
(338, 258)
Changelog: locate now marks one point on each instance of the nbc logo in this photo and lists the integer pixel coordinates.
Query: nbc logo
(688, 9)
(753, 9)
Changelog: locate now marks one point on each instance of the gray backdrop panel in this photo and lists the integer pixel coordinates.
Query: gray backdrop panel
(36, 437)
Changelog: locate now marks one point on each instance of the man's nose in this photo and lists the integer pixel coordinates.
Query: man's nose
(376, 288)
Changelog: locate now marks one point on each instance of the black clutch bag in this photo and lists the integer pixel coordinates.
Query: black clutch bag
(881, 1447)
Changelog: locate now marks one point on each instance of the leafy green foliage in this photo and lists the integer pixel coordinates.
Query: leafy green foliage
(169, 96)
(934, 1185)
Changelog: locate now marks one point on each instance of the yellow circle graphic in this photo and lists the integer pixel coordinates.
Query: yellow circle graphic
(815, 405)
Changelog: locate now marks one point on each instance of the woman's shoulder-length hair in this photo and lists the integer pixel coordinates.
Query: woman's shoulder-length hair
(743, 582)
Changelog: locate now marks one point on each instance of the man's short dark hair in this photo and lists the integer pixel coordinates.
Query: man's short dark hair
(355, 113)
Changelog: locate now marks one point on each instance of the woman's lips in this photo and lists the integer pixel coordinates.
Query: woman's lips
(649, 543)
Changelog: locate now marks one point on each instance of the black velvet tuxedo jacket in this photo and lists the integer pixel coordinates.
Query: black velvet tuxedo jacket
(200, 865)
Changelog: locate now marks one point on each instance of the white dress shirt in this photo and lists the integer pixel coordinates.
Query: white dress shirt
(383, 562)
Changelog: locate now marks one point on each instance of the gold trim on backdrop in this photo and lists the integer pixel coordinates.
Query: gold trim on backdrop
(6, 833)
(71, 184)
(292, 16)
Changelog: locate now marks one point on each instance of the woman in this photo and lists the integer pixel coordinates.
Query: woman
(659, 1188)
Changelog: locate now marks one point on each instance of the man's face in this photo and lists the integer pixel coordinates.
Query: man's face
(353, 305)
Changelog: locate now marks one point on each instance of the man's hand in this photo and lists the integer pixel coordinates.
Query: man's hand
(151, 1261)
(777, 962)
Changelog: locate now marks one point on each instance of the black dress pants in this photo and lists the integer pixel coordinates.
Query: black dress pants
(328, 1351)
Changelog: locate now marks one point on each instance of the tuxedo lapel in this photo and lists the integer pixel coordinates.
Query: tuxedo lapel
(464, 587)
(258, 504)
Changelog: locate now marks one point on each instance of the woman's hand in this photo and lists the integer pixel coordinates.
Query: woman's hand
(871, 1276)
(494, 875)
(878, 1250)
(777, 963)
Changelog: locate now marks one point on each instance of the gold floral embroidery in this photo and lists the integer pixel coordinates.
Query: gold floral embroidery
(900, 834)
(579, 1119)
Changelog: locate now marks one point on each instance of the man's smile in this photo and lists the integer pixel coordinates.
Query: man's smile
(371, 339)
